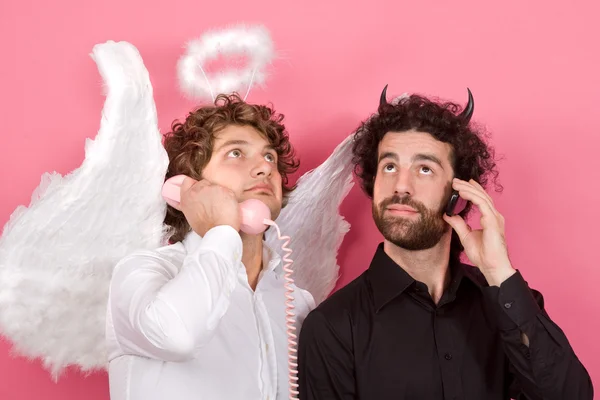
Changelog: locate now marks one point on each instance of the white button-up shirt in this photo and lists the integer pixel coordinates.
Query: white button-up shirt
(183, 323)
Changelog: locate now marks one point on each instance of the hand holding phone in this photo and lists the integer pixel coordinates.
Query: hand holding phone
(206, 206)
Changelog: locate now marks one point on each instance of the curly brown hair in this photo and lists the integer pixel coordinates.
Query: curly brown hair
(471, 157)
(189, 145)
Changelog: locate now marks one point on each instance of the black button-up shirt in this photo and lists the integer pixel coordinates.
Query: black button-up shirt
(382, 337)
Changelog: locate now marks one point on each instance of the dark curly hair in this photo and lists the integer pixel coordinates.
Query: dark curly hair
(189, 145)
(471, 157)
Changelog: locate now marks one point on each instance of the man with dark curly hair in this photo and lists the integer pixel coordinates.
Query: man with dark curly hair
(204, 317)
(418, 323)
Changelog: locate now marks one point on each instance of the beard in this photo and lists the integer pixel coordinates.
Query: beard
(420, 234)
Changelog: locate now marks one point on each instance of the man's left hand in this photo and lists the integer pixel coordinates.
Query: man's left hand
(485, 247)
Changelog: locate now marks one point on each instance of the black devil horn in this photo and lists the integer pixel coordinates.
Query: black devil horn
(383, 98)
(468, 111)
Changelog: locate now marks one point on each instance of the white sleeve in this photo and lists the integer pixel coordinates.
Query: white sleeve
(159, 313)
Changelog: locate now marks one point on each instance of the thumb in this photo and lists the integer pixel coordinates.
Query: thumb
(458, 224)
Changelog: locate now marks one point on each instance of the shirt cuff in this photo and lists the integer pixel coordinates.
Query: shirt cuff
(225, 241)
(512, 302)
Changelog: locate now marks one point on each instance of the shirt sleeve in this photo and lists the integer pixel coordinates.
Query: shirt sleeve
(163, 312)
(546, 367)
(325, 361)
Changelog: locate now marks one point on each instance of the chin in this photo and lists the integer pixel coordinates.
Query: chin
(271, 201)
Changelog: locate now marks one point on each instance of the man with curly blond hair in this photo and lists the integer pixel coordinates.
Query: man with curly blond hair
(204, 317)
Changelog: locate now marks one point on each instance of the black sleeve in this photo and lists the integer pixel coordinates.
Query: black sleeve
(325, 361)
(546, 368)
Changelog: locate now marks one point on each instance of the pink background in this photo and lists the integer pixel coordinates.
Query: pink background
(532, 66)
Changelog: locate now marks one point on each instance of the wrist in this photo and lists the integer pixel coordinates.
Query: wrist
(202, 227)
(496, 276)
(235, 224)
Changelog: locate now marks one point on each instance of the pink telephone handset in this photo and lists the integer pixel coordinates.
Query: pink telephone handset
(256, 216)
(254, 213)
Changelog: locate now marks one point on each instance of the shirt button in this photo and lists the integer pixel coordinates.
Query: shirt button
(448, 356)
(507, 305)
(267, 347)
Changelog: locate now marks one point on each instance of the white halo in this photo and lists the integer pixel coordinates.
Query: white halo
(254, 42)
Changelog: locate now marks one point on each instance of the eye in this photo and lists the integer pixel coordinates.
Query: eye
(270, 157)
(426, 170)
(389, 168)
(234, 153)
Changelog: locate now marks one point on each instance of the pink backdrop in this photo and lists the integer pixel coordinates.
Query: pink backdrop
(532, 66)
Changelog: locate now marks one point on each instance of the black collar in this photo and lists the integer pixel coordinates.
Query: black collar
(389, 280)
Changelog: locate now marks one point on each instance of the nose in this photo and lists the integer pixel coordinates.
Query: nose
(262, 168)
(404, 184)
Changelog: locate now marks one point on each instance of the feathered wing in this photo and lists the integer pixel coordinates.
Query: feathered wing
(313, 222)
(57, 255)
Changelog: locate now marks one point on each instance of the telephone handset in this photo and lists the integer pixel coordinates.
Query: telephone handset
(456, 204)
(254, 213)
(256, 217)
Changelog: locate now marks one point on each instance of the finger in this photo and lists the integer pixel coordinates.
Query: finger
(459, 225)
(499, 216)
(475, 183)
(488, 213)
(187, 184)
(463, 188)
(222, 189)
(201, 184)
(459, 184)
(474, 186)
(466, 187)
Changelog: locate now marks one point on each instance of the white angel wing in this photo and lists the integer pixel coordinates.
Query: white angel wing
(57, 256)
(313, 222)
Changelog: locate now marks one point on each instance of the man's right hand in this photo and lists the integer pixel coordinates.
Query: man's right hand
(206, 205)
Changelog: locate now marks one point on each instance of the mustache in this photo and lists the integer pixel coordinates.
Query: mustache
(404, 200)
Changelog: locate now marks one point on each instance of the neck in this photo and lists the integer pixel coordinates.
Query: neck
(252, 257)
(429, 266)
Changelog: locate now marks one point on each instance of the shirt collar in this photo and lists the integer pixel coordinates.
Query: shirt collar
(191, 241)
(271, 259)
(389, 280)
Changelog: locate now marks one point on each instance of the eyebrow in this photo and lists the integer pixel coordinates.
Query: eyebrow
(416, 157)
(387, 154)
(428, 157)
(238, 142)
